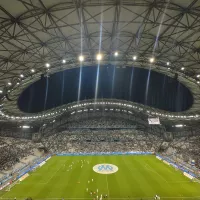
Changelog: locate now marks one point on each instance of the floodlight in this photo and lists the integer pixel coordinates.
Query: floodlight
(116, 54)
(134, 57)
(47, 65)
(99, 57)
(81, 58)
(151, 60)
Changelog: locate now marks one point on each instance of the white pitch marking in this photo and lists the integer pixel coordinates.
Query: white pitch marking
(53, 175)
(150, 169)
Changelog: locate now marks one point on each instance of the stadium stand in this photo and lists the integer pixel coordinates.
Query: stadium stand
(96, 135)
(15, 150)
(101, 141)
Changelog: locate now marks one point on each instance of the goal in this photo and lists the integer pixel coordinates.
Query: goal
(12, 185)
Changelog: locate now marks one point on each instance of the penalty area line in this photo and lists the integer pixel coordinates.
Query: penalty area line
(50, 177)
(152, 170)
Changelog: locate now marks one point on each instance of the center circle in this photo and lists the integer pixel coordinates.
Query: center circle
(105, 168)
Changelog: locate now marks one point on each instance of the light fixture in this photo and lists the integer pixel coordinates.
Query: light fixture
(198, 82)
(168, 63)
(168, 68)
(32, 70)
(182, 68)
(47, 65)
(99, 57)
(21, 75)
(63, 61)
(81, 58)
(151, 60)
(134, 57)
(25, 126)
(9, 83)
(1, 91)
(179, 125)
(198, 75)
(116, 54)
(17, 83)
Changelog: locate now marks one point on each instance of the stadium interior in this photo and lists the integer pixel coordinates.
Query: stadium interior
(107, 83)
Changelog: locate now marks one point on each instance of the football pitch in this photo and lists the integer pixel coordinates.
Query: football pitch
(72, 177)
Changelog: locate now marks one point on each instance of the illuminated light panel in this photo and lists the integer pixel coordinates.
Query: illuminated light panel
(32, 70)
(99, 57)
(134, 57)
(21, 75)
(81, 58)
(47, 65)
(25, 126)
(116, 54)
(182, 68)
(9, 83)
(63, 61)
(168, 63)
(179, 125)
(151, 60)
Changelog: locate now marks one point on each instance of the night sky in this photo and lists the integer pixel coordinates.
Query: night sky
(118, 83)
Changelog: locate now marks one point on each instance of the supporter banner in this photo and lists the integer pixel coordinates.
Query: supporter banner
(188, 175)
(48, 158)
(23, 177)
(42, 163)
(166, 162)
(154, 120)
(106, 153)
(2, 187)
(180, 167)
(159, 158)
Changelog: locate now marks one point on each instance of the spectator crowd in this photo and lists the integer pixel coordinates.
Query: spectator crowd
(91, 135)
(12, 150)
(86, 141)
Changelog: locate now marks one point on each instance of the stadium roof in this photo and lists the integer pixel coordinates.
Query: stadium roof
(34, 33)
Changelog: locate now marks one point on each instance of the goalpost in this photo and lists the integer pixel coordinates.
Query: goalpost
(12, 185)
(196, 180)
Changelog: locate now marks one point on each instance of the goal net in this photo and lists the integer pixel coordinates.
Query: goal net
(12, 185)
(196, 180)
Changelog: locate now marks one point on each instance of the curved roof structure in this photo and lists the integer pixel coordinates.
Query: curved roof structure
(34, 33)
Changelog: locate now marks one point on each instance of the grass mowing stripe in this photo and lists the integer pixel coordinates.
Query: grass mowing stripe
(107, 179)
(115, 188)
(148, 167)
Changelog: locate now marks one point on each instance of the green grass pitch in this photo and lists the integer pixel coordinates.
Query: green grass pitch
(138, 177)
